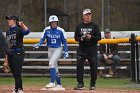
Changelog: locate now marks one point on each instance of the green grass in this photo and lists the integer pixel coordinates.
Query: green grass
(114, 83)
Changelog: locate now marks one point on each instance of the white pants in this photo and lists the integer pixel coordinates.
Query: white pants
(54, 55)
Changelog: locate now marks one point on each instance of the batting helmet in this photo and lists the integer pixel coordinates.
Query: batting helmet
(53, 18)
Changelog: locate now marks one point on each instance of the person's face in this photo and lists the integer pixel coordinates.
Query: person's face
(11, 22)
(108, 35)
(53, 24)
(87, 18)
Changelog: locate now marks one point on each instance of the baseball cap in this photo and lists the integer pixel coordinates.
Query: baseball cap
(107, 31)
(12, 17)
(86, 11)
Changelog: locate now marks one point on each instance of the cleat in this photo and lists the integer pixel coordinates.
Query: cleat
(14, 92)
(57, 88)
(20, 91)
(92, 87)
(79, 87)
(50, 85)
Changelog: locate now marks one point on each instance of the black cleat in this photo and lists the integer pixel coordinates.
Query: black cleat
(92, 87)
(79, 87)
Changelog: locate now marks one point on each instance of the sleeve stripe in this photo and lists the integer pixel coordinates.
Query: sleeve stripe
(64, 34)
(45, 31)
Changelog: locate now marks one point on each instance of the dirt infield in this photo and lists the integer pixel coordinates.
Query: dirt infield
(8, 89)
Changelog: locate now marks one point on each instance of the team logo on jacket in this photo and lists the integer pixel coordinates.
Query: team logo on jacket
(85, 31)
(12, 39)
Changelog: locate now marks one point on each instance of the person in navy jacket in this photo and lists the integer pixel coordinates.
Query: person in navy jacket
(15, 57)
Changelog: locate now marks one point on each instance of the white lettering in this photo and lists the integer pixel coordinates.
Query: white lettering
(53, 36)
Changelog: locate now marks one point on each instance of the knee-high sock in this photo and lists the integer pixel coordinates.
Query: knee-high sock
(53, 73)
(58, 79)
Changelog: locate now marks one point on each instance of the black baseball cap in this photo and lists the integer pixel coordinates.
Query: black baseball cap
(12, 17)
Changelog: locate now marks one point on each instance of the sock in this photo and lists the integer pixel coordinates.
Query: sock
(58, 79)
(53, 73)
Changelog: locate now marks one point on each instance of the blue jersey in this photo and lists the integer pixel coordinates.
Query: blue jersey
(55, 37)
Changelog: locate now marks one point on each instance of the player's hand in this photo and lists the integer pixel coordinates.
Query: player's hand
(110, 56)
(66, 55)
(105, 56)
(21, 24)
(36, 46)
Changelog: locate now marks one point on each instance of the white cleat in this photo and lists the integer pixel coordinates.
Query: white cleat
(20, 91)
(14, 92)
(50, 85)
(57, 88)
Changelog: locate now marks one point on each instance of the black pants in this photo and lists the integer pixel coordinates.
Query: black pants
(90, 54)
(15, 60)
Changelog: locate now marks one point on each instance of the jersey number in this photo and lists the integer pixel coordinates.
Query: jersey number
(53, 41)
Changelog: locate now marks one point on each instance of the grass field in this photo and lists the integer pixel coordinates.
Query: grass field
(114, 83)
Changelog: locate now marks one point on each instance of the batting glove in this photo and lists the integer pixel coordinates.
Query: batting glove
(66, 55)
(36, 46)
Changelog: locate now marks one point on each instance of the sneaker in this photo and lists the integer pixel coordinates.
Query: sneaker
(14, 91)
(79, 87)
(57, 88)
(110, 72)
(50, 85)
(20, 91)
(92, 87)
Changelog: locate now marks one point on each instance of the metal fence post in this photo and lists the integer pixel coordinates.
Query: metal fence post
(132, 41)
(137, 62)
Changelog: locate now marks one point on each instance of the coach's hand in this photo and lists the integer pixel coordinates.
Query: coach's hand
(88, 36)
(66, 55)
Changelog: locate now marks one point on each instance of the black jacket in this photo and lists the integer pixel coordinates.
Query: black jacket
(90, 28)
(113, 49)
(15, 37)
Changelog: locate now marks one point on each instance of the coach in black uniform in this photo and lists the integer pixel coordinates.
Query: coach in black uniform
(87, 34)
(15, 57)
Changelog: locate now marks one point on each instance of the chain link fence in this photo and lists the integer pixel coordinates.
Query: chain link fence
(108, 14)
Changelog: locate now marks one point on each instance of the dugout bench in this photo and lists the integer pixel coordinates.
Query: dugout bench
(36, 62)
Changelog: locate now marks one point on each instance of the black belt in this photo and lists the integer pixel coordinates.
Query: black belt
(16, 49)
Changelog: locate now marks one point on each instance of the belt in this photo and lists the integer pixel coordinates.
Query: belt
(16, 49)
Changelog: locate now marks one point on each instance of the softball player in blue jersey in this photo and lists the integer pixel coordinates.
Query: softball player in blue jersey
(56, 42)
